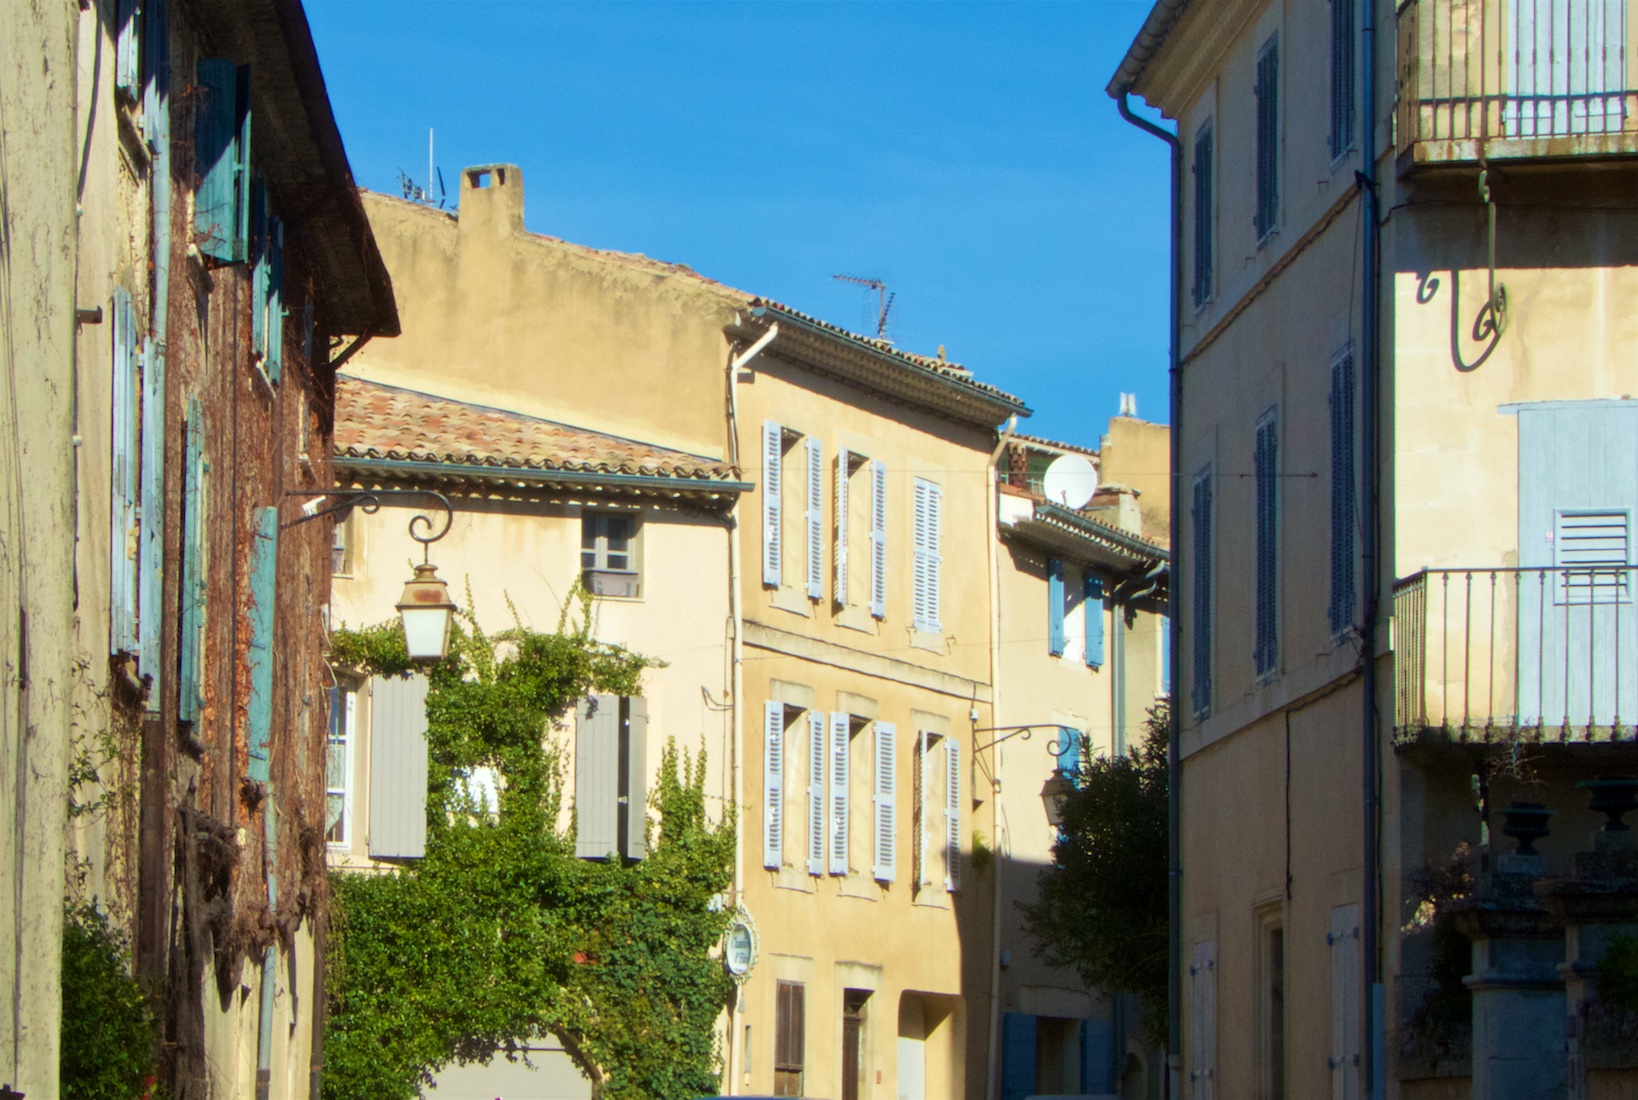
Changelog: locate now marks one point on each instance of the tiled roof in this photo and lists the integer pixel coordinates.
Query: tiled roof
(377, 421)
(1058, 443)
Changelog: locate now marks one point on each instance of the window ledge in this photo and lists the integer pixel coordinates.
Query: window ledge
(793, 878)
(856, 886)
(933, 643)
(857, 618)
(931, 896)
(794, 600)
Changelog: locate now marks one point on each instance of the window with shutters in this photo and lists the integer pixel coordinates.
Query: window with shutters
(338, 770)
(855, 536)
(1268, 138)
(1201, 602)
(930, 804)
(267, 311)
(342, 537)
(1092, 612)
(927, 562)
(793, 490)
(1344, 545)
(1204, 211)
(1343, 55)
(1266, 463)
(790, 1038)
(610, 554)
(610, 777)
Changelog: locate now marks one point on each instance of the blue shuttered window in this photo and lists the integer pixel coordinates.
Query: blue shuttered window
(1017, 1055)
(1201, 627)
(1092, 608)
(1343, 548)
(274, 301)
(1342, 77)
(128, 47)
(1268, 138)
(1203, 209)
(222, 160)
(266, 284)
(150, 549)
(264, 554)
(1055, 607)
(1266, 460)
(123, 533)
(190, 664)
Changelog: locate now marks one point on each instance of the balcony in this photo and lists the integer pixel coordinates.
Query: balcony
(1537, 654)
(1512, 79)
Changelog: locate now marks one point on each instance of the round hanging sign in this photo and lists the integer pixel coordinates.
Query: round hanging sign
(739, 946)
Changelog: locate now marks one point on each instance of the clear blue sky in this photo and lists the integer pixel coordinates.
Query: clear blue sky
(966, 154)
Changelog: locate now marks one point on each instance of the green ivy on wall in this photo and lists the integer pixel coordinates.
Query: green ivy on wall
(499, 934)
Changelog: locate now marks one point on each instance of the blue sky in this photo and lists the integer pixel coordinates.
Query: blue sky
(965, 154)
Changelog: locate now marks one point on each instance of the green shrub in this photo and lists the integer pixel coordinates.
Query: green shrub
(109, 1037)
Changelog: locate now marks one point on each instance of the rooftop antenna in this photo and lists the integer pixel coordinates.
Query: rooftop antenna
(416, 192)
(884, 300)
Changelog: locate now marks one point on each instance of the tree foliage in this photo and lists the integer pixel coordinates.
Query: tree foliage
(109, 1037)
(499, 934)
(1101, 907)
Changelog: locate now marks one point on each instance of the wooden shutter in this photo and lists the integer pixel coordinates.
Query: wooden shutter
(151, 523)
(928, 506)
(816, 792)
(222, 160)
(1268, 137)
(1055, 607)
(597, 777)
(878, 539)
(634, 803)
(1343, 941)
(773, 785)
(1017, 1055)
(1266, 462)
(842, 459)
(275, 300)
(190, 662)
(773, 458)
(1342, 77)
(815, 516)
(1097, 1057)
(128, 47)
(259, 268)
(841, 734)
(952, 814)
(398, 767)
(1202, 602)
(124, 459)
(1343, 547)
(1092, 609)
(1204, 201)
(1202, 1069)
(885, 837)
(264, 554)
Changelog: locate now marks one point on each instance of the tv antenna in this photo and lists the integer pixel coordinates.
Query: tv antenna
(884, 300)
(415, 192)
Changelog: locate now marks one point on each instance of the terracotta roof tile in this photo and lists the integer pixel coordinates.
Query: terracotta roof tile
(378, 421)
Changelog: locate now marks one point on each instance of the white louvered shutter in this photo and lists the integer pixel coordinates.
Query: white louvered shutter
(773, 457)
(885, 837)
(841, 527)
(1203, 1021)
(773, 784)
(841, 729)
(952, 815)
(928, 505)
(1343, 941)
(816, 519)
(878, 539)
(816, 792)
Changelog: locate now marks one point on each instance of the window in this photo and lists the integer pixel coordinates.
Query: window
(1202, 602)
(610, 777)
(938, 812)
(1342, 77)
(1341, 611)
(789, 1038)
(859, 554)
(222, 161)
(1266, 461)
(267, 284)
(338, 781)
(1268, 138)
(341, 546)
(608, 554)
(929, 506)
(1203, 200)
(792, 508)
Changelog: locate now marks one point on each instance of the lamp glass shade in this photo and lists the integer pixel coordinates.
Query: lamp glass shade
(426, 611)
(1053, 793)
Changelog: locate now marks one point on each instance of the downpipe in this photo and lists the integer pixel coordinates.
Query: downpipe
(270, 956)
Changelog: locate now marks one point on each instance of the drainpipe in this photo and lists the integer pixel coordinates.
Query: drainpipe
(270, 956)
(1174, 767)
(1370, 356)
(993, 534)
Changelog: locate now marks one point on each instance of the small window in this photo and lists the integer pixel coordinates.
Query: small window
(338, 780)
(341, 547)
(789, 1038)
(608, 554)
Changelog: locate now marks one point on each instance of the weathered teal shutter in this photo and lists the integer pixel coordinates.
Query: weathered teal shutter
(398, 767)
(1055, 607)
(1092, 608)
(222, 160)
(191, 662)
(124, 460)
(264, 555)
(128, 47)
(634, 753)
(1017, 1055)
(151, 522)
(1266, 461)
(597, 777)
(259, 267)
(275, 299)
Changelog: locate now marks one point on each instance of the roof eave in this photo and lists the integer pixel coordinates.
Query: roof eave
(1052, 527)
(718, 494)
(1162, 17)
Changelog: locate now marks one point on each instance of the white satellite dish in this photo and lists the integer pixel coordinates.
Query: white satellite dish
(1070, 480)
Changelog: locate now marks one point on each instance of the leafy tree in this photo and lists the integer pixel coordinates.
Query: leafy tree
(109, 1038)
(1102, 906)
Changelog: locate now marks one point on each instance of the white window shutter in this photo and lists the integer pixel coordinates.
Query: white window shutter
(878, 539)
(773, 457)
(885, 838)
(841, 730)
(816, 519)
(1203, 1021)
(1343, 941)
(928, 505)
(952, 815)
(841, 527)
(773, 784)
(816, 792)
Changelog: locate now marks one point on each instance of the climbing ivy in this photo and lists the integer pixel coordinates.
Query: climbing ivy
(499, 934)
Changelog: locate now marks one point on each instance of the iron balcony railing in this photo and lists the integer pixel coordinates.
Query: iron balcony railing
(1532, 653)
(1494, 71)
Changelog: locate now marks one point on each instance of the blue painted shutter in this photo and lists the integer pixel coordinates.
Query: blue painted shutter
(123, 533)
(841, 732)
(1069, 761)
(259, 268)
(1201, 627)
(1166, 655)
(1017, 1056)
(1343, 549)
(815, 519)
(1092, 608)
(1267, 472)
(817, 796)
(151, 522)
(1203, 210)
(1055, 607)
(1342, 77)
(128, 47)
(1268, 137)
(190, 665)
(264, 555)
(222, 160)
(885, 840)
(773, 460)
(1097, 1057)
(878, 539)
(773, 785)
(275, 299)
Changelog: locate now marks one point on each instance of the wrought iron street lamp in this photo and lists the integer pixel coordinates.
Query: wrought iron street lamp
(1059, 786)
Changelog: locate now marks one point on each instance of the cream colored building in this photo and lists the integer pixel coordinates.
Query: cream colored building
(1334, 409)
